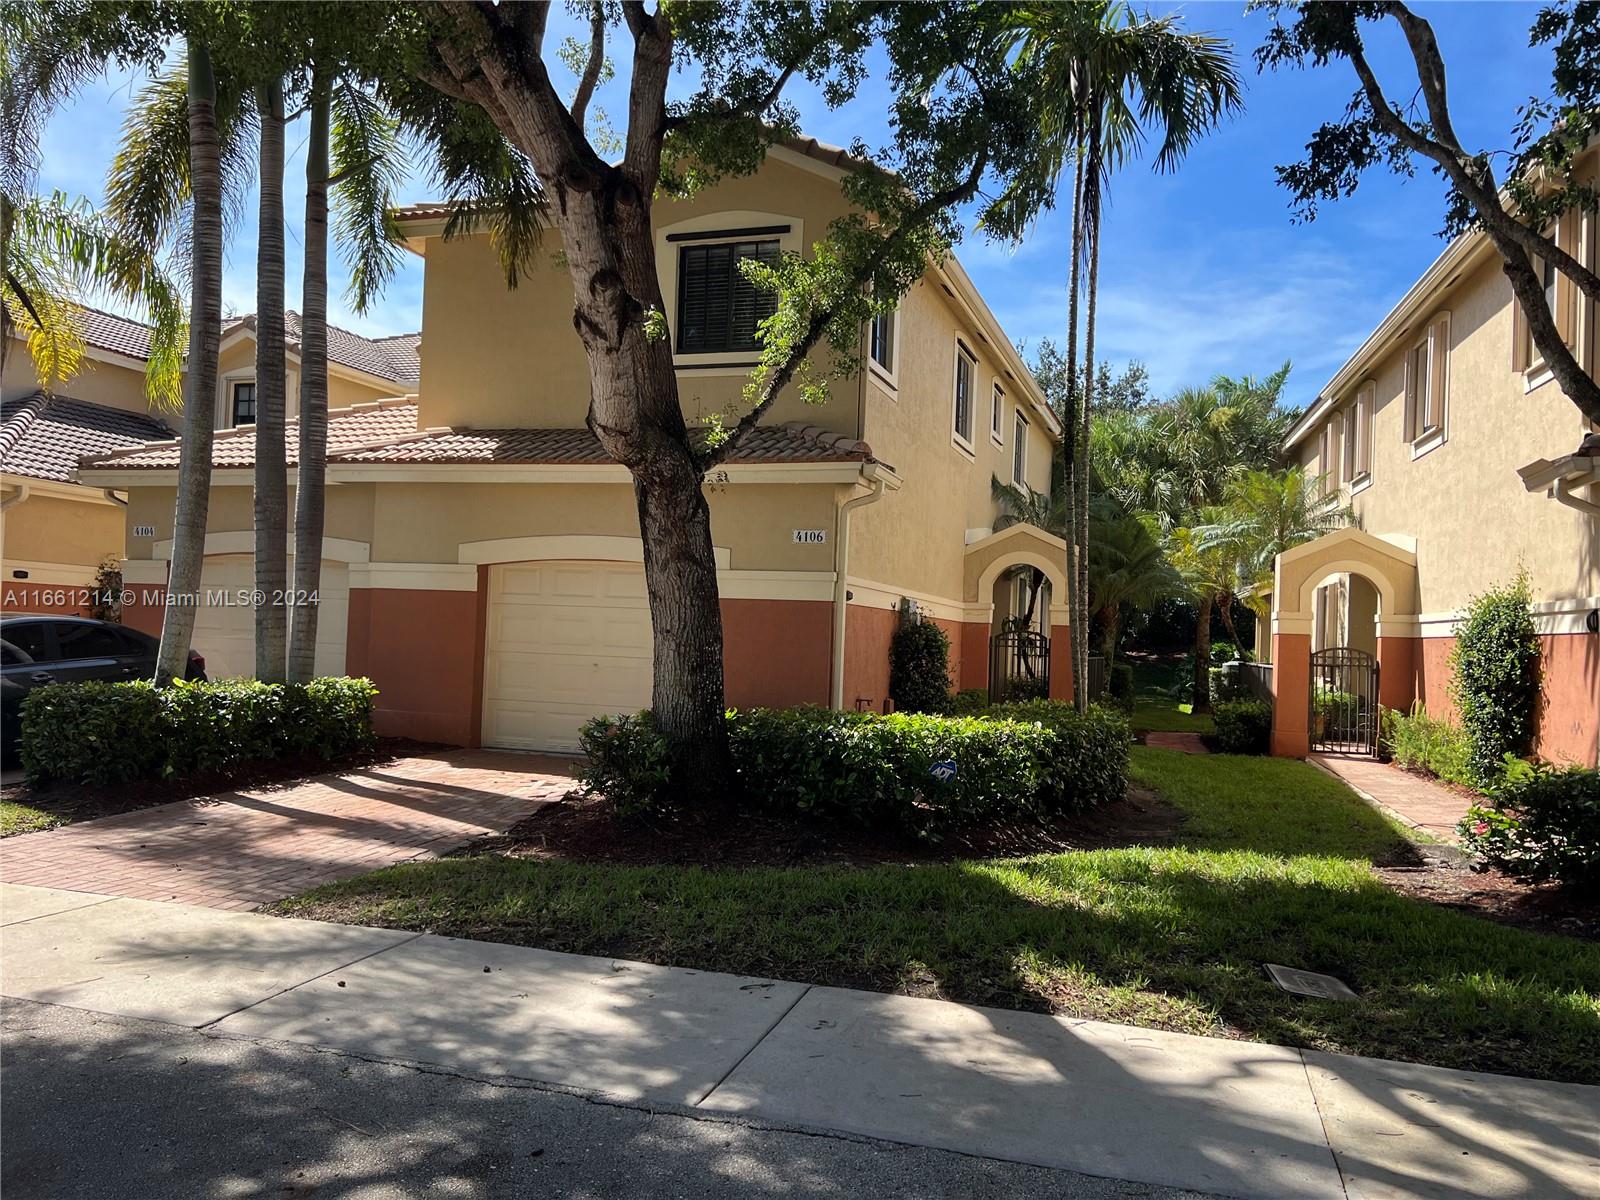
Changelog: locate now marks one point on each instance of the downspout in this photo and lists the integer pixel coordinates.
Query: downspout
(1564, 494)
(23, 491)
(841, 595)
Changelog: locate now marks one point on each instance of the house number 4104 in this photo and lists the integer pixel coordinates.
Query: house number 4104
(811, 537)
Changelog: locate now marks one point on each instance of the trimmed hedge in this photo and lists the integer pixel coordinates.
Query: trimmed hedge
(1243, 726)
(1033, 759)
(108, 733)
(919, 668)
(1545, 826)
(1494, 677)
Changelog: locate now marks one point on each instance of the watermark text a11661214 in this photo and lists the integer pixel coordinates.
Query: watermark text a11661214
(64, 598)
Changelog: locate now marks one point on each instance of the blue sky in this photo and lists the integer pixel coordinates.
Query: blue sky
(1202, 270)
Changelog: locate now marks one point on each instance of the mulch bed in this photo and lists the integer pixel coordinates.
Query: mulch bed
(585, 829)
(1449, 877)
(82, 802)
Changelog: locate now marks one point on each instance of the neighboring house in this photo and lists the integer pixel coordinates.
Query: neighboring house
(483, 563)
(1462, 459)
(54, 530)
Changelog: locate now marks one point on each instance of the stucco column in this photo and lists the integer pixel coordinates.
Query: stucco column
(1397, 671)
(1060, 662)
(1291, 709)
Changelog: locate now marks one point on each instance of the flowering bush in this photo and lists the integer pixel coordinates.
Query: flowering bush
(1544, 826)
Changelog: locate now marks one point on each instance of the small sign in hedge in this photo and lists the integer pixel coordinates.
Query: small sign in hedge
(107, 733)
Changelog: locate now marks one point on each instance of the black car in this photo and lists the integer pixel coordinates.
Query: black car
(36, 650)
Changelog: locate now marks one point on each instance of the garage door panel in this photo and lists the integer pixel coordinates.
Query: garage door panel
(566, 642)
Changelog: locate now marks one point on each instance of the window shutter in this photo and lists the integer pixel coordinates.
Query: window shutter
(718, 308)
(1566, 313)
(1409, 398)
(1438, 371)
(1521, 342)
(1366, 404)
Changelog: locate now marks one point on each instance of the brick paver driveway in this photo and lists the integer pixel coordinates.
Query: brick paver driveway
(241, 849)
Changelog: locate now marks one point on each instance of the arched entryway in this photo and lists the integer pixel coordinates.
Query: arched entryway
(1344, 641)
(1015, 638)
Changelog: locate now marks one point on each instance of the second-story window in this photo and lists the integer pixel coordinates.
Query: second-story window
(718, 308)
(1019, 450)
(880, 340)
(243, 408)
(997, 410)
(966, 374)
(1427, 385)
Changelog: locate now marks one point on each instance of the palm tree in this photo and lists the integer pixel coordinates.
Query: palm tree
(200, 384)
(1110, 74)
(57, 253)
(1264, 513)
(271, 473)
(1127, 566)
(1211, 572)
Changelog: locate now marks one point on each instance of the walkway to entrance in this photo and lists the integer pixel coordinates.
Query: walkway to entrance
(1420, 803)
(241, 849)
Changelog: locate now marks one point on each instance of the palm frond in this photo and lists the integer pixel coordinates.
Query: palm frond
(369, 165)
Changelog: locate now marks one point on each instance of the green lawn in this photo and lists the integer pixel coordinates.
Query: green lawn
(1271, 866)
(20, 818)
(1154, 709)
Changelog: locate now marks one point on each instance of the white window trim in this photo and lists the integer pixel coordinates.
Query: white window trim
(997, 414)
(888, 378)
(721, 363)
(1360, 480)
(225, 396)
(962, 350)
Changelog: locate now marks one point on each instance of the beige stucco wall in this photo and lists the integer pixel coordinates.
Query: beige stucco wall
(97, 383)
(46, 529)
(237, 363)
(1473, 522)
(505, 358)
(502, 358)
(427, 523)
(916, 537)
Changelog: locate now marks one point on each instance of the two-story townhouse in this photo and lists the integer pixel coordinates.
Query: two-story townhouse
(55, 530)
(1456, 449)
(483, 563)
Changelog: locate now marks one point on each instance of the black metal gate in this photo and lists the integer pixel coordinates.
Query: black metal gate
(1344, 701)
(1019, 663)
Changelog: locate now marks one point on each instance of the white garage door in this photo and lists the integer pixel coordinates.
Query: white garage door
(224, 628)
(566, 641)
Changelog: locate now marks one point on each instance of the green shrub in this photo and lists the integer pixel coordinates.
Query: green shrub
(108, 733)
(628, 762)
(919, 668)
(1091, 752)
(1243, 726)
(1545, 826)
(1420, 742)
(913, 772)
(968, 702)
(1495, 677)
(1120, 686)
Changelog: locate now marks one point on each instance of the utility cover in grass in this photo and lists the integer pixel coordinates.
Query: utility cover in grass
(1309, 983)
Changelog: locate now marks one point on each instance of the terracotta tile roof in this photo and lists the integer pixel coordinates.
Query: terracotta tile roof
(767, 444)
(111, 332)
(393, 358)
(43, 436)
(386, 432)
(359, 425)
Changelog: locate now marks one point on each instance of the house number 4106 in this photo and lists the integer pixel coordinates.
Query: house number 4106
(811, 537)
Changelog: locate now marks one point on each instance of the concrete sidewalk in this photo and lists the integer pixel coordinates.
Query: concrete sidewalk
(1222, 1117)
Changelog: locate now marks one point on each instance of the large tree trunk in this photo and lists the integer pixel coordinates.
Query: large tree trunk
(311, 472)
(200, 384)
(1069, 423)
(1202, 656)
(272, 484)
(1091, 200)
